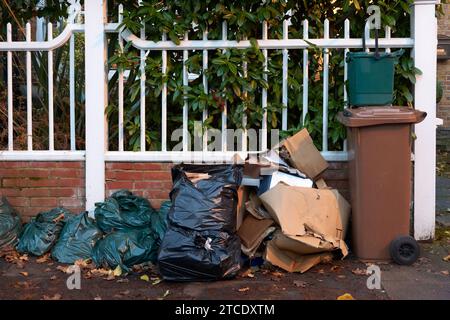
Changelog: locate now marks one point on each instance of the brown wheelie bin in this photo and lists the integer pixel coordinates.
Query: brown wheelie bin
(379, 147)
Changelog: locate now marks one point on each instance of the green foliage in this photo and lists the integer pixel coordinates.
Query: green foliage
(241, 91)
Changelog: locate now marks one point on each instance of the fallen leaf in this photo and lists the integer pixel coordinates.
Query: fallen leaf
(341, 276)
(300, 284)
(345, 296)
(48, 270)
(145, 278)
(59, 218)
(154, 283)
(123, 280)
(445, 272)
(64, 269)
(335, 268)
(164, 295)
(110, 276)
(117, 271)
(124, 293)
(359, 272)
(277, 274)
(53, 277)
(44, 258)
(244, 289)
(98, 298)
(25, 274)
(57, 296)
(99, 272)
(24, 257)
(447, 258)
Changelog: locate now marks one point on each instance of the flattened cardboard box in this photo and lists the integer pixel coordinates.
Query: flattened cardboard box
(312, 222)
(303, 154)
(252, 232)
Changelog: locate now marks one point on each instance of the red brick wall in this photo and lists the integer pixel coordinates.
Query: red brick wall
(443, 70)
(149, 180)
(32, 187)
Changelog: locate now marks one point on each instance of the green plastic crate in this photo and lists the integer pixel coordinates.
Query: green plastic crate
(371, 78)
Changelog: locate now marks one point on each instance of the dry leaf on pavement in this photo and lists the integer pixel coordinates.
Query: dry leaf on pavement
(25, 274)
(359, 272)
(244, 289)
(53, 277)
(44, 258)
(145, 278)
(57, 296)
(300, 284)
(447, 258)
(345, 296)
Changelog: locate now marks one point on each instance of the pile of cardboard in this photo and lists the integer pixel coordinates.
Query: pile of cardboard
(291, 217)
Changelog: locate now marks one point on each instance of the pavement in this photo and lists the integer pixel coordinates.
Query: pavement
(30, 278)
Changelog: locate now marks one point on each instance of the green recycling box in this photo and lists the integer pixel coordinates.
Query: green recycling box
(371, 77)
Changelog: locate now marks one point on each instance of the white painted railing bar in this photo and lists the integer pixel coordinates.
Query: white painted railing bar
(72, 91)
(305, 72)
(326, 27)
(244, 116)
(164, 98)
(285, 79)
(270, 44)
(367, 34)
(120, 87)
(185, 100)
(10, 90)
(142, 93)
(388, 36)
(225, 105)
(29, 92)
(346, 51)
(51, 130)
(264, 90)
(205, 89)
(205, 156)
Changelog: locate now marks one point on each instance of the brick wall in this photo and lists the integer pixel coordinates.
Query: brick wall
(32, 187)
(443, 70)
(149, 180)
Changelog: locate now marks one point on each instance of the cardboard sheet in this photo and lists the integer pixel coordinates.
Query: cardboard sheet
(303, 154)
(317, 219)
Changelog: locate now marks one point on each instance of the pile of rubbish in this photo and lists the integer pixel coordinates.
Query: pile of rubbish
(271, 207)
(126, 231)
(287, 214)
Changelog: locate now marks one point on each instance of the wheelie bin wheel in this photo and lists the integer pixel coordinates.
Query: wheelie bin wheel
(404, 250)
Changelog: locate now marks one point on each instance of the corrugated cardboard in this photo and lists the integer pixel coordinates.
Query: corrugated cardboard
(243, 193)
(293, 262)
(252, 233)
(303, 154)
(252, 229)
(316, 218)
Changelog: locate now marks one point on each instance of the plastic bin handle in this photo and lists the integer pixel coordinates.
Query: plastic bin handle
(377, 49)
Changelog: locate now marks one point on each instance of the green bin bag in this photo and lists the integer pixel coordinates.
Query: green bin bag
(41, 233)
(125, 248)
(123, 210)
(10, 224)
(77, 239)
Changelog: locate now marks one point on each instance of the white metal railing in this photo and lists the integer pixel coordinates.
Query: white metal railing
(423, 42)
(285, 44)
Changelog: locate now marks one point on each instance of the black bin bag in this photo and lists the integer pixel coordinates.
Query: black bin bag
(41, 233)
(10, 224)
(77, 239)
(201, 242)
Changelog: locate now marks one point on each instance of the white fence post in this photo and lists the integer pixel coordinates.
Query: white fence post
(96, 100)
(424, 29)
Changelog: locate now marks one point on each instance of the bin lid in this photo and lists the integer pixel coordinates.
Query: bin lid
(372, 116)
